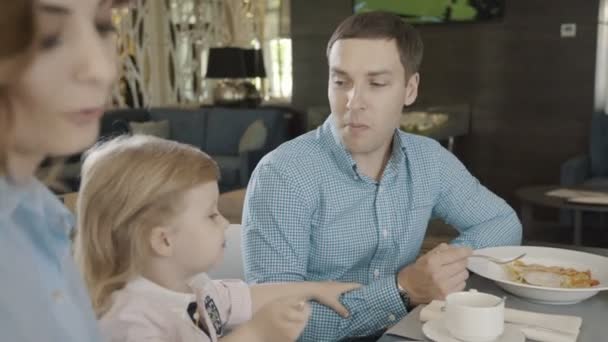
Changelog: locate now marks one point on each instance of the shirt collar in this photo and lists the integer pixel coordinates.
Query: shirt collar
(145, 287)
(397, 155)
(37, 198)
(330, 137)
(12, 195)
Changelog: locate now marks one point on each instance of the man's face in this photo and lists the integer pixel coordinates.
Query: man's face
(367, 91)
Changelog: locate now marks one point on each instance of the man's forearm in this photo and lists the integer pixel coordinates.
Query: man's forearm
(502, 230)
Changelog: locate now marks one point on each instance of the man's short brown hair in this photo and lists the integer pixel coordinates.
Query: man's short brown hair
(383, 25)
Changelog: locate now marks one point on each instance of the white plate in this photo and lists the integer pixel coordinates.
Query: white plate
(435, 330)
(545, 256)
(593, 200)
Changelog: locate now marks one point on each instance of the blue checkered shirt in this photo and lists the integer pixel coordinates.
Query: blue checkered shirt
(310, 215)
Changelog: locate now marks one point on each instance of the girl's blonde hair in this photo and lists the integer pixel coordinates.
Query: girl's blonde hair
(129, 186)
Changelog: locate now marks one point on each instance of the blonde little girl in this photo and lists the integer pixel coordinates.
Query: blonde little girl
(149, 229)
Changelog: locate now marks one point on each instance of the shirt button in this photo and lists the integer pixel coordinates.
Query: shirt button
(391, 317)
(376, 273)
(385, 233)
(57, 295)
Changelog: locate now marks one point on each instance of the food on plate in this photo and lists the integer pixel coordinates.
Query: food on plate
(549, 276)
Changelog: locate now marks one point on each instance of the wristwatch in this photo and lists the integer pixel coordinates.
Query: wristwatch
(405, 297)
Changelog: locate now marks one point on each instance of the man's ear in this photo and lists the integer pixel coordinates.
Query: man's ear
(411, 89)
(161, 241)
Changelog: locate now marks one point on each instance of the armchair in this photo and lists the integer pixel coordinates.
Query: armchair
(591, 169)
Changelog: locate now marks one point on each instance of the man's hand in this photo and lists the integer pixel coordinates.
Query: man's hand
(436, 274)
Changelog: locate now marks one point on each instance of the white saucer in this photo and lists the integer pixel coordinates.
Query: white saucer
(436, 331)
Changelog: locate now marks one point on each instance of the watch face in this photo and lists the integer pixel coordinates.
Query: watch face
(405, 299)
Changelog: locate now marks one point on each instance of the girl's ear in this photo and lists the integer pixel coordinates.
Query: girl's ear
(161, 242)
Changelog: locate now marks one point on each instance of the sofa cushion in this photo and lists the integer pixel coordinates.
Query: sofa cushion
(158, 129)
(224, 130)
(226, 126)
(254, 137)
(229, 168)
(186, 125)
(116, 122)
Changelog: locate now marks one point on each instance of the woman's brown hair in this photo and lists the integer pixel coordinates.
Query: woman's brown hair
(17, 29)
(17, 34)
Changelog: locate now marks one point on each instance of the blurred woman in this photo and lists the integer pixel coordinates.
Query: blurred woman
(57, 66)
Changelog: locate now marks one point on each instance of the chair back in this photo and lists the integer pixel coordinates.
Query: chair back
(598, 148)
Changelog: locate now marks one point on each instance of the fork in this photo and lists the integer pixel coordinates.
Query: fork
(496, 260)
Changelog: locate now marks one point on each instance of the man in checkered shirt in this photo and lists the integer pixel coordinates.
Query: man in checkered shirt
(351, 201)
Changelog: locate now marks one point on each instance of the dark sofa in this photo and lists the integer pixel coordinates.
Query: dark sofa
(215, 130)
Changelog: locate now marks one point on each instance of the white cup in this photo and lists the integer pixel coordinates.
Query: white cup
(475, 317)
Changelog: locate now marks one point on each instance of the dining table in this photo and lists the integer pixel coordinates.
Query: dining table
(593, 311)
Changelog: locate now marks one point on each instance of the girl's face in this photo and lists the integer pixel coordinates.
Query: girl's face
(59, 99)
(198, 234)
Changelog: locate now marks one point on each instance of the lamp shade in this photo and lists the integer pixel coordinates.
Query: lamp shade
(226, 62)
(254, 63)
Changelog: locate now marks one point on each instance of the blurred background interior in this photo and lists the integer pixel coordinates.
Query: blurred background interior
(516, 89)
